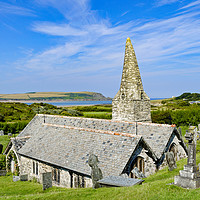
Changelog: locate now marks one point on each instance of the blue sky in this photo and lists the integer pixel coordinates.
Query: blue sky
(78, 45)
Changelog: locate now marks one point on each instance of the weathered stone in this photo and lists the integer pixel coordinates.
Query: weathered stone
(46, 180)
(171, 161)
(119, 181)
(10, 134)
(23, 177)
(96, 173)
(16, 178)
(138, 173)
(1, 148)
(131, 103)
(189, 177)
(3, 172)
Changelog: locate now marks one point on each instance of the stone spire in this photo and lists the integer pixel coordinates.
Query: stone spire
(131, 103)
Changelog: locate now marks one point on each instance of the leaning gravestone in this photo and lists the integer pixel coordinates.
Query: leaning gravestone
(1, 148)
(96, 173)
(189, 177)
(46, 180)
(171, 161)
(1, 132)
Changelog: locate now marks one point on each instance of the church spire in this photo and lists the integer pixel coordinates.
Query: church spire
(131, 93)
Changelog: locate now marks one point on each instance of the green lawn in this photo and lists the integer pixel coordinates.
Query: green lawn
(154, 187)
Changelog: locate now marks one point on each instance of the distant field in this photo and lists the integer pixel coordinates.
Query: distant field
(51, 96)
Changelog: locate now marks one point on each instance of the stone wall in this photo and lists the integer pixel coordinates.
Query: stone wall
(65, 175)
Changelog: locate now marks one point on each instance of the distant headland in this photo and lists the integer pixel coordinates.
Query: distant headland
(54, 96)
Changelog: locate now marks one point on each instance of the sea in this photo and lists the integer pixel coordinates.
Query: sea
(81, 103)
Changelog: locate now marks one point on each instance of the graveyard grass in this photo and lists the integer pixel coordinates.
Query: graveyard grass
(155, 187)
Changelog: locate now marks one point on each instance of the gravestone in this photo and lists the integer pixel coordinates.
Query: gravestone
(138, 173)
(23, 177)
(1, 148)
(10, 134)
(46, 180)
(189, 177)
(171, 161)
(96, 173)
(3, 172)
(1, 132)
(16, 178)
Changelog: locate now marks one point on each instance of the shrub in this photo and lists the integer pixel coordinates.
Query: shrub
(2, 162)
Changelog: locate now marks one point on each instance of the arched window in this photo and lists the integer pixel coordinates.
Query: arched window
(139, 163)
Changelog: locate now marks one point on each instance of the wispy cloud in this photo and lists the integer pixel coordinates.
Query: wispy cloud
(96, 46)
(165, 2)
(195, 3)
(6, 8)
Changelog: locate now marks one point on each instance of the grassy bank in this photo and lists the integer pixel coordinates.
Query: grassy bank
(155, 187)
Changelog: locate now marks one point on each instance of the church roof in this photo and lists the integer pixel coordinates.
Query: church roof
(67, 141)
(70, 147)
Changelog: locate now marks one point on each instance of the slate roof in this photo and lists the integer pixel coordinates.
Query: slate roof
(69, 147)
(67, 141)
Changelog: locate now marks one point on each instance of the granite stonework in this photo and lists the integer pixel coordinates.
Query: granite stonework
(131, 103)
(189, 177)
(46, 180)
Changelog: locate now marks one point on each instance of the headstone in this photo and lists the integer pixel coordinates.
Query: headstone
(46, 180)
(96, 173)
(10, 134)
(138, 173)
(189, 177)
(1, 148)
(1, 132)
(16, 178)
(23, 177)
(3, 172)
(119, 181)
(171, 161)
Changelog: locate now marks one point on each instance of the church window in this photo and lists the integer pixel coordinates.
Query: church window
(35, 167)
(56, 175)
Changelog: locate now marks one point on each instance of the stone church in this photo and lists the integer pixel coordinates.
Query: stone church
(62, 145)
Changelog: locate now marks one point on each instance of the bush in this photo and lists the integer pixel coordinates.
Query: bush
(161, 117)
(2, 162)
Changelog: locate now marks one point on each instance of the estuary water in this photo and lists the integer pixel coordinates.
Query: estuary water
(79, 103)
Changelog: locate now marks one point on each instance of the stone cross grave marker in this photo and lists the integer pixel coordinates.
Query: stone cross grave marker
(189, 177)
(96, 173)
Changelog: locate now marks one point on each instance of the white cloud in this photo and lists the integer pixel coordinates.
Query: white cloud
(165, 2)
(98, 46)
(6, 8)
(57, 30)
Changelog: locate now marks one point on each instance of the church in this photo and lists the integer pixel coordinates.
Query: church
(62, 145)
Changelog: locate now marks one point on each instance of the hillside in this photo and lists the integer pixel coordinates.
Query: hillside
(53, 96)
(189, 96)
